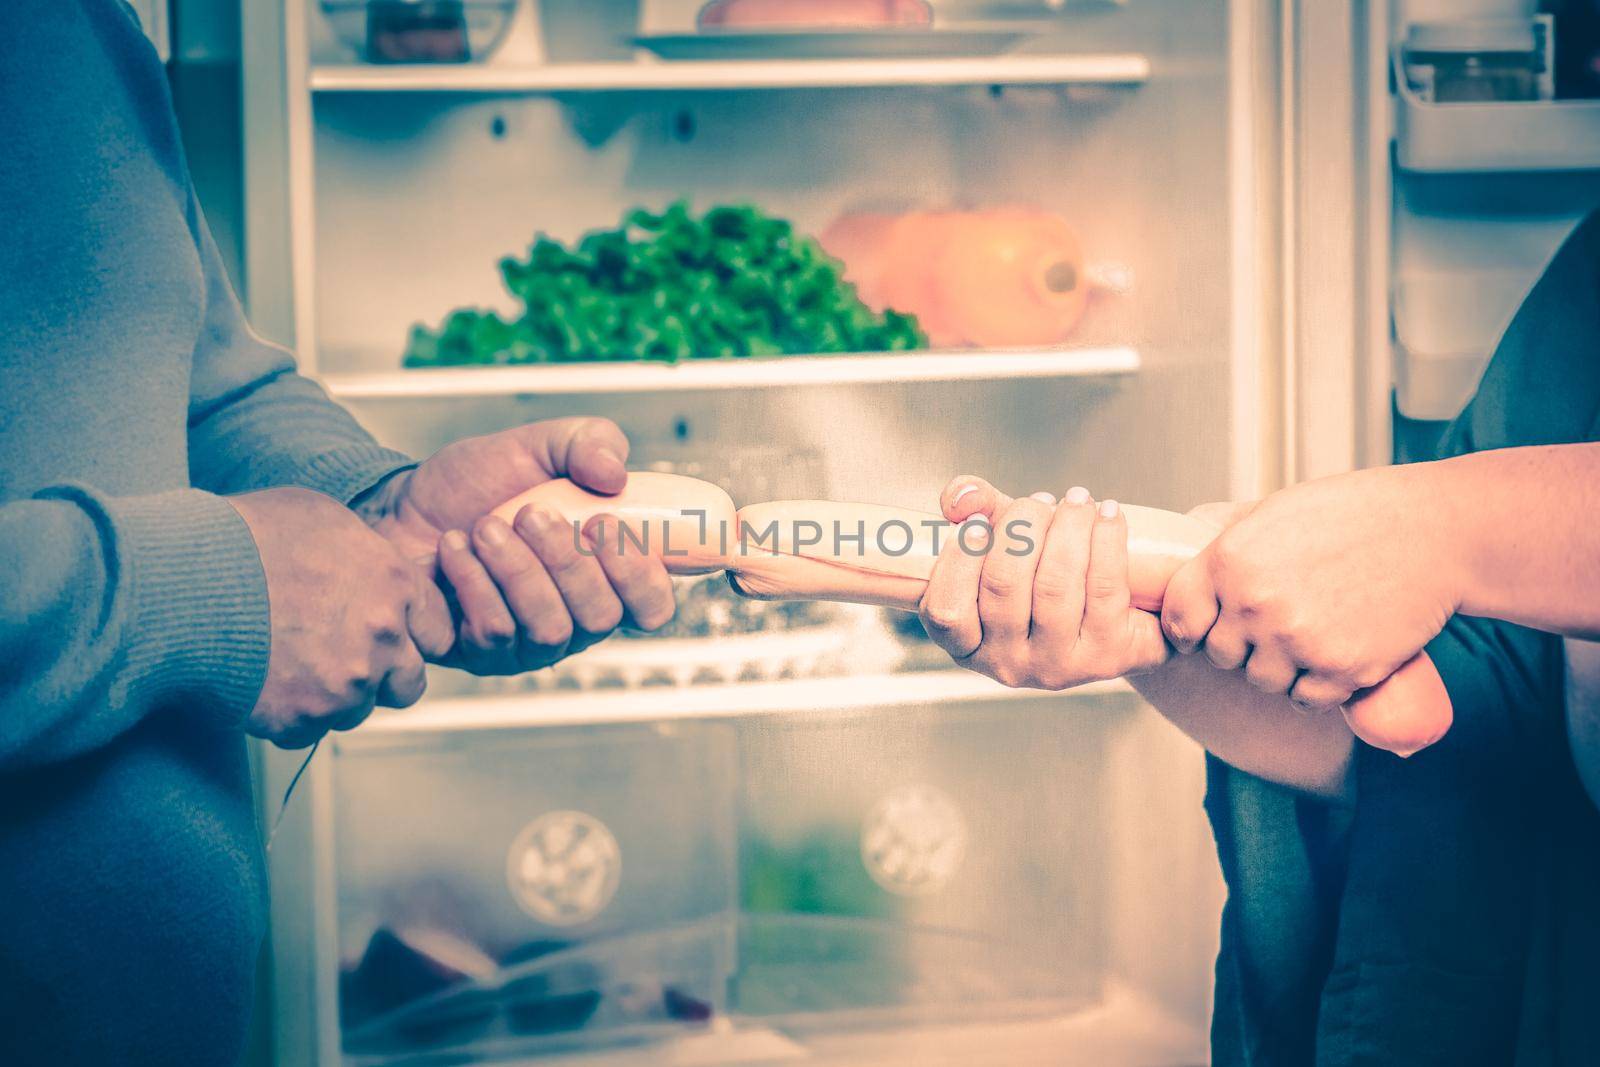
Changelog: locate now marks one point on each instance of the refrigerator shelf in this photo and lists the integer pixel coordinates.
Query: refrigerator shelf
(850, 692)
(600, 378)
(645, 76)
(1497, 136)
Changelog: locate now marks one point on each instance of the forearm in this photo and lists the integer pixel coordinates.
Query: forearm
(1526, 539)
(1262, 734)
(113, 607)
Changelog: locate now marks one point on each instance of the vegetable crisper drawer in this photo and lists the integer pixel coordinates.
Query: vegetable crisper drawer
(922, 864)
(505, 893)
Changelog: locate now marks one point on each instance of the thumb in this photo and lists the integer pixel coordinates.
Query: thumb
(1147, 644)
(428, 619)
(591, 451)
(968, 495)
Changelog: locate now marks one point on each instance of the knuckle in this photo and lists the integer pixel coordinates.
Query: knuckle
(657, 615)
(1103, 587)
(1005, 672)
(410, 691)
(997, 584)
(1050, 588)
(604, 618)
(498, 631)
(1051, 677)
(387, 623)
(942, 618)
(1369, 676)
(550, 630)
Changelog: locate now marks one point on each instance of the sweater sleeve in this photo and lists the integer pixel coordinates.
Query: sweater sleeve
(113, 607)
(254, 422)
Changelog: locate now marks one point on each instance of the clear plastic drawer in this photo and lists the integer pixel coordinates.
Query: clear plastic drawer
(522, 891)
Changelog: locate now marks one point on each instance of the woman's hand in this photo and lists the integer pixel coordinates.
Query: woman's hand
(1326, 587)
(1038, 597)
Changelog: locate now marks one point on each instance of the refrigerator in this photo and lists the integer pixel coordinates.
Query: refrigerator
(799, 835)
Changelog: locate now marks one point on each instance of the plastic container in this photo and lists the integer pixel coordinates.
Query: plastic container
(420, 31)
(908, 867)
(1480, 60)
(1446, 327)
(511, 891)
(1445, 136)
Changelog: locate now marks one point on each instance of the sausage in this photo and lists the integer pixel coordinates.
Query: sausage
(686, 521)
(872, 554)
(870, 539)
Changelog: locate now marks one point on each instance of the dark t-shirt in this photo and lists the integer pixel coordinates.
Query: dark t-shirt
(1451, 914)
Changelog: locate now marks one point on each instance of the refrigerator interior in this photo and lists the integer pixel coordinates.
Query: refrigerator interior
(743, 840)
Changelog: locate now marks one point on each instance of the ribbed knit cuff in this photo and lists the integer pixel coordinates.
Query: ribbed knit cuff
(201, 627)
(346, 473)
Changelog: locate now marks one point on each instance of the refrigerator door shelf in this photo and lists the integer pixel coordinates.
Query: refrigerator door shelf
(1446, 326)
(1531, 136)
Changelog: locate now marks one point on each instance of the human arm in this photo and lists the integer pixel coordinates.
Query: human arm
(1083, 629)
(112, 607)
(1328, 586)
(525, 596)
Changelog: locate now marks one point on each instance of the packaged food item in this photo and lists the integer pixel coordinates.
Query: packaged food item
(1004, 277)
(813, 14)
(1480, 60)
(420, 31)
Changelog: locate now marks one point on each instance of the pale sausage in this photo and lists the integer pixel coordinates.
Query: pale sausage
(685, 521)
(872, 554)
(872, 539)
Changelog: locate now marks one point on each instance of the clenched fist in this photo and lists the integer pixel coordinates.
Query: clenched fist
(1326, 587)
(352, 619)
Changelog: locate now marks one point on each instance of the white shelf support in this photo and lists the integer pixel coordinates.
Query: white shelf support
(600, 378)
(650, 75)
(809, 696)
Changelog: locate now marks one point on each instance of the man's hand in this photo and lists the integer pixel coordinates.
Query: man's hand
(531, 592)
(1047, 617)
(352, 619)
(1323, 588)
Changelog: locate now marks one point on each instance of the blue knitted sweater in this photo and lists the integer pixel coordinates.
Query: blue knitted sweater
(134, 621)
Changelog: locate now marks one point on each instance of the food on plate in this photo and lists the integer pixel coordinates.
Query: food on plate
(416, 31)
(1003, 277)
(873, 554)
(813, 14)
(670, 286)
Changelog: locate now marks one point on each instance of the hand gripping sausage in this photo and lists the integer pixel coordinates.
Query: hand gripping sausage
(872, 554)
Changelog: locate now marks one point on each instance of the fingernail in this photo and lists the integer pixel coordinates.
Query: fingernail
(1043, 498)
(538, 517)
(608, 456)
(963, 492)
(455, 540)
(1077, 495)
(494, 532)
(1108, 509)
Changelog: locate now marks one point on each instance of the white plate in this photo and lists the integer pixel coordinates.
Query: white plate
(920, 42)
